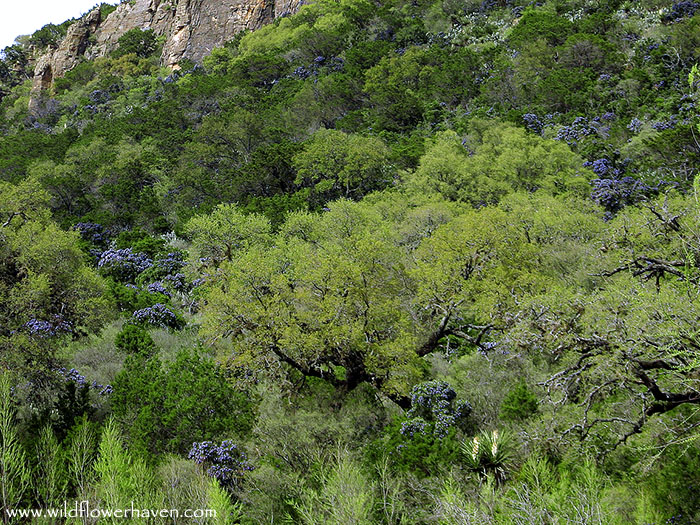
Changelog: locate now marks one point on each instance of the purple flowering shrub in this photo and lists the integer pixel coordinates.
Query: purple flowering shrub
(224, 461)
(178, 282)
(614, 193)
(158, 315)
(73, 401)
(164, 265)
(158, 287)
(426, 438)
(602, 167)
(165, 275)
(129, 297)
(93, 233)
(123, 265)
(435, 409)
(681, 10)
(41, 329)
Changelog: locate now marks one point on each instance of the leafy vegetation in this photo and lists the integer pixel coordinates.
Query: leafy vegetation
(395, 262)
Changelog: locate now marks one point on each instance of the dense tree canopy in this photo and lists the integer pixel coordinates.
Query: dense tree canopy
(395, 262)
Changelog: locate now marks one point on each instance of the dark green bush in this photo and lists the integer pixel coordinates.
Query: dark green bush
(134, 339)
(140, 42)
(520, 403)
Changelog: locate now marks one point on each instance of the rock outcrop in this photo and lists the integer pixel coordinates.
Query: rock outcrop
(65, 57)
(192, 28)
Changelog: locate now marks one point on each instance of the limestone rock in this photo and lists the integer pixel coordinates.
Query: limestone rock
(287, 7)
(65, 57)
(192, 28)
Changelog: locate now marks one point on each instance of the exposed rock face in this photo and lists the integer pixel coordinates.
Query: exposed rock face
(192, 28)
(64, 58)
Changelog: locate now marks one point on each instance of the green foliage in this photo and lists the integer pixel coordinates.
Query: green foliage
(82, 450)
(423, 453)
(489, 453)
(141, 43)
(140, 241)
(170, 406)
(465, 248)
(14, 472)
(345, 495)
(459, 169)
(337, 165)
(122, 479)
(134, 339)
(400, 87)
(50, 475)
(221, 235)
(519, 403)
(106, 10)
(227, 513)
(536, 24)
(49, 35)
(668, 486)
(129, 299)
(46, 288)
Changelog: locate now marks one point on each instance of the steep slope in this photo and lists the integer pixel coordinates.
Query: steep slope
(192, 28)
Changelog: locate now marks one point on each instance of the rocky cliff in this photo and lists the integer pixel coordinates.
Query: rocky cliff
(192, 28)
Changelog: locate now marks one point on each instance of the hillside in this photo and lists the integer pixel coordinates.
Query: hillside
(354, 261)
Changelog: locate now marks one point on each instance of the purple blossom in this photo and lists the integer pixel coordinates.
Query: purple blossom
(602, 167)
(158, 315)
(157, 287)
(92, 232)
(663, 125)
(613, 194)
(170, 263)
(681, 10)
(224, 461)
(635, 125)
(44, 329)
(72, 375)
(124, 264)
(533, 123)
(302, 72)
(177, 281)
(577, 130)
(434, 406)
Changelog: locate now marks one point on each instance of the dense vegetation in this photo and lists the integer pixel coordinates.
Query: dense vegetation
(392, 262)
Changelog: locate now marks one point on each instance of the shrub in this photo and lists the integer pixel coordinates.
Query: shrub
(224, 461)
(520, 403)
(159, 315)
(140, 42)
(123, 265)
(167, 407)
(134, 339)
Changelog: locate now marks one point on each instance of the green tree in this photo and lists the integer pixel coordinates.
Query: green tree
(141, 42)
(336, 165)
(496, 159)
(168, 407)
(50, 476)
(520, 403)
(121, 479)
(82, 448)
(225, 232)
(14, 473)
(46, 288)
(345, 496)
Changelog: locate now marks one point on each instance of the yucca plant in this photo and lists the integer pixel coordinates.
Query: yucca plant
(488, 453)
